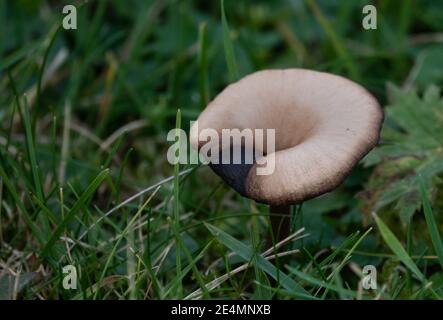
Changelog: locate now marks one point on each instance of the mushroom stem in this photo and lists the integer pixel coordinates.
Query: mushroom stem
(280, 217)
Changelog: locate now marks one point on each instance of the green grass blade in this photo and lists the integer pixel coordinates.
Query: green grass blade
(247, 254)
(321, 283)
(19, 54)
(336, 42)
(42, 68)
(148, 259)
(79, 204)
(54, 147)
(121, 236)
(229, 47)
(432, 224)
(115, 147)
(195, 270)
(176, 204)
(19, 203)
(45, 209)
(332, 277)
(203, 81)
(260, 277)
(395, 245)
(10, 127)
(349, 253)
(342, 247)
(30, 148)
(178, 278)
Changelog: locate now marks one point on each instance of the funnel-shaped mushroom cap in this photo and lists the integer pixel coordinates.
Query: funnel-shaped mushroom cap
(324, 124)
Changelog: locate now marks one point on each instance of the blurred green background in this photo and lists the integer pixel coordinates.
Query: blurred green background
(74, 102)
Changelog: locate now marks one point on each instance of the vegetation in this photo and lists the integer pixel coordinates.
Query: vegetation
(84, 179)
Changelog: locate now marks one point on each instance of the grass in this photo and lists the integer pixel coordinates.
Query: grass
(395, 245)
(228, 46)
(432, 224)
(84, 178)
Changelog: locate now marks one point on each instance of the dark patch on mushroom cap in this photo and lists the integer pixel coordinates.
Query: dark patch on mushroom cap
(233, 174)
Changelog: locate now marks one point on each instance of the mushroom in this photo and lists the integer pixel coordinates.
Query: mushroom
(324, 125)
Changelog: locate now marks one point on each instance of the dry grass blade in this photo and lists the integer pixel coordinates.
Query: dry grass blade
(122, 130)
(130, 199)
(197, 294)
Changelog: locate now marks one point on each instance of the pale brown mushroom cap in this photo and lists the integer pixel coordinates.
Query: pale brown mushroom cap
(324, 125)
